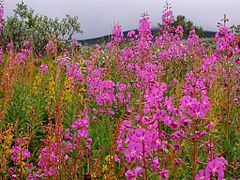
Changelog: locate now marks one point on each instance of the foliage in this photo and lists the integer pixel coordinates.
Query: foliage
(236, 29)
(26, 24)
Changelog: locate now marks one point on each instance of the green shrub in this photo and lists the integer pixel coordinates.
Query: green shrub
(26, 24)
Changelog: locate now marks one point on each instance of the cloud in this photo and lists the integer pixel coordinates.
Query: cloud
(98, 16)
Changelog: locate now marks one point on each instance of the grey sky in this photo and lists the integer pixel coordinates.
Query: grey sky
(98, 16)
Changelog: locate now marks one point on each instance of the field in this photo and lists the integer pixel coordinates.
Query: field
(137, 107)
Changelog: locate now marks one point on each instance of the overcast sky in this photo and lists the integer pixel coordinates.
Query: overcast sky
(98, 16)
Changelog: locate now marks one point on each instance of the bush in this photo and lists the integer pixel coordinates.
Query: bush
(26, 24)
(236, 29)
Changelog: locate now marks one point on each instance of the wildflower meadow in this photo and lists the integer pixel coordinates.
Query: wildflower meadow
(136, 107)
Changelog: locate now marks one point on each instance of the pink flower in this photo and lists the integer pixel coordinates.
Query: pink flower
(117, 33)
(74, 42)
(20, 58)
(51, 47)
(133, 174)
(163, 174)
(2, 22)
(44, 68)
(11, 170)
(216, 168)
(131, 35)
(1, 56)
(15, 153)
(155, 163)
(167, 17)
(130, 175)
(201, 175)
(117, 159)
(26, 154)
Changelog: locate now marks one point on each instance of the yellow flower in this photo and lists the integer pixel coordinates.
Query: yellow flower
(51, 90)
(68, 91)
(105, 168)
(37, 81)
(6, 143)
(93, 175)
(108, 158)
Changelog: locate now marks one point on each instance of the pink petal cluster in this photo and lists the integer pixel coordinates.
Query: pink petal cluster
(2, 22)
(117, 33)
(44, 68)
(214, 168)
(1, 56)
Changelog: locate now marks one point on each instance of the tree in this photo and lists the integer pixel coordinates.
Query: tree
(25, 24)
(236, 29)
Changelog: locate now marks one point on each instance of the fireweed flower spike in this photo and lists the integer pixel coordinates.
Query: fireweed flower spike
(117, 33)
(2, 22)
(1, 56)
